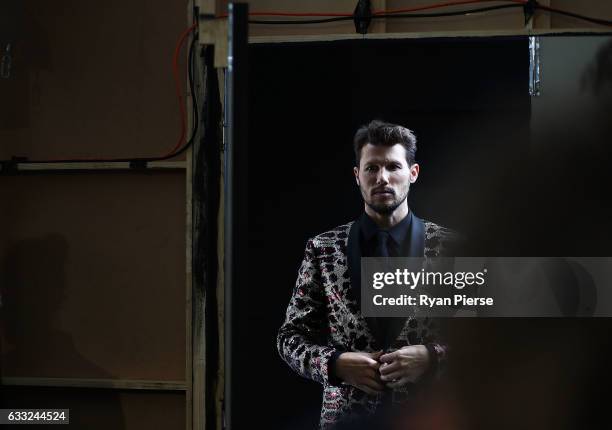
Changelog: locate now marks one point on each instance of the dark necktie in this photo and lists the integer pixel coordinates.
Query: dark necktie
(381, 323)
(382, 244)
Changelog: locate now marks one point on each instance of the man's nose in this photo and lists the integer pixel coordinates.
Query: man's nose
(383, 176)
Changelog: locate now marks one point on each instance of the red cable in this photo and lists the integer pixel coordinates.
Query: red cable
(183, 113)
(179, 92)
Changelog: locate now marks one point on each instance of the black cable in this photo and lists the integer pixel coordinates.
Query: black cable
(300, 21)
(195, 113)
(432, 15)
(139, 161)
(196, 118)
(444, 14)
(388, 15)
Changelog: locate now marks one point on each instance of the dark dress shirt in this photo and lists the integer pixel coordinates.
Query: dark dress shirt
(399, 235)
(398, 245)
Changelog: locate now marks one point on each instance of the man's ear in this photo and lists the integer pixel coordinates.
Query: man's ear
(356, 173)
(414, 172)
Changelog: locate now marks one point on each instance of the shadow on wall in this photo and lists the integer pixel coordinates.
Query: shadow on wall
(566, 189)
(32, 286)
(597, 77)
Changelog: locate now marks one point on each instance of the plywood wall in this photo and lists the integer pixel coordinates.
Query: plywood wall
(92, 79)
(93, 264)
(94, 276)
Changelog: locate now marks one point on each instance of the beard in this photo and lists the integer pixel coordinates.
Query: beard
(384, 208)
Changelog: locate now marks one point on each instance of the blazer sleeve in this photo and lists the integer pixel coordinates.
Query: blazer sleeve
(302, 338)
(436, 342)
(438, 355)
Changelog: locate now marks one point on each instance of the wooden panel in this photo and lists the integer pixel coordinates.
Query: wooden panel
(104, 409)
(592, 8)
(153, 411)
(138, 384)
(541, 19)
(93, 80)
(495, 20)
(93, 275)
(86, 166)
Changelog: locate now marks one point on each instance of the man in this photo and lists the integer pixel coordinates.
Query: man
(364, 363)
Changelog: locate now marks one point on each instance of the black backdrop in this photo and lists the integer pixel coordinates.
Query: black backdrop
(467, 101)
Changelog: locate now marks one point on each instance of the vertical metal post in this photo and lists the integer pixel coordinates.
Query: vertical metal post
(236, 217)
(534, 66)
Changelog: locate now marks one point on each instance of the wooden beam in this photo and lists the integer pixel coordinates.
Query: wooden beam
(214, 32)
(378, 25)
(207, 7)
(120, 384)
(426, 35)
(81, 166)
(192, 405)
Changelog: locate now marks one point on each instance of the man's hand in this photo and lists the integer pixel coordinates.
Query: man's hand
(404, 365)
(360, 369)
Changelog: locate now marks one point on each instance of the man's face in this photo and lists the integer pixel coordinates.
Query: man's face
(384, 177)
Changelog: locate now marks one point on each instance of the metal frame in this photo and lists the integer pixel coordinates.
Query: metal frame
(236, 211)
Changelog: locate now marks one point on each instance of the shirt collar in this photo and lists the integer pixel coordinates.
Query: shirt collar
(398, 232)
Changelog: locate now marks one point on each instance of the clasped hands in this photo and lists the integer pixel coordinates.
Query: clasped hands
(372, 372)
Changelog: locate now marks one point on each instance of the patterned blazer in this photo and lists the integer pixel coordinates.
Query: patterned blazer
(324, 319)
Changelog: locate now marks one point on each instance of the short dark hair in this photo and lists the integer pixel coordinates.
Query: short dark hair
(379, 132)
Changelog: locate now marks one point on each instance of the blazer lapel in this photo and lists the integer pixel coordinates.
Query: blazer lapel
(417, 238)
(353, 250)
(354, 265)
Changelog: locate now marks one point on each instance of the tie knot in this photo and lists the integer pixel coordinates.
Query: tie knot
(382, 239)
(382, 236)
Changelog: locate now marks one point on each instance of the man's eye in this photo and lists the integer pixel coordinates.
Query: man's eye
(370, 168)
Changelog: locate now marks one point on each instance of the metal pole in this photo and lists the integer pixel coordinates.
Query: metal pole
(235, 196)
